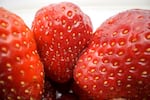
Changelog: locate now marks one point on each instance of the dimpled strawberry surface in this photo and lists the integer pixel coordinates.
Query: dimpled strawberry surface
(117, 62)
(21, 71)
(61, 31)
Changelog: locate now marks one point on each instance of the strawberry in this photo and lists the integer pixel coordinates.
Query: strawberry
(21, 71)
(117, 62)
(61, 31)
(82, 95)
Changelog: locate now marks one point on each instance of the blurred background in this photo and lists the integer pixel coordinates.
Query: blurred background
(98, 10)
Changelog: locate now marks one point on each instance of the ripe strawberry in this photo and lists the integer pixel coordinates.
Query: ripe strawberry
(61, 31)
(82, 95)
(21, 71)
(117, 62)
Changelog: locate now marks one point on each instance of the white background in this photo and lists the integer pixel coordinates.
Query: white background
(98, 10)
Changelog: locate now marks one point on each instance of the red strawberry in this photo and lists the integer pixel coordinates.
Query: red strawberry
(62, 31)
(117, 62)
(82, 95)
(21, 71)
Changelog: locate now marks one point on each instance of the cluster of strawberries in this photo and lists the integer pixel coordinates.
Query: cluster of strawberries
(61, 58)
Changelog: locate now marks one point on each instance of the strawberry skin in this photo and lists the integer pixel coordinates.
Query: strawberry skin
(117, 61)
(21, 71)
(61, 31)
(82, 95)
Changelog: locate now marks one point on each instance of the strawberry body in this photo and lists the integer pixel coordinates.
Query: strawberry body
(82, 95)
(117, 62)
(62, 31)
(21, 71)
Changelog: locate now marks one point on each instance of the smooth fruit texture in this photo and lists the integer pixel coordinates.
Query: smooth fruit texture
(21, 71)
(117, 62)
(61, 31)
